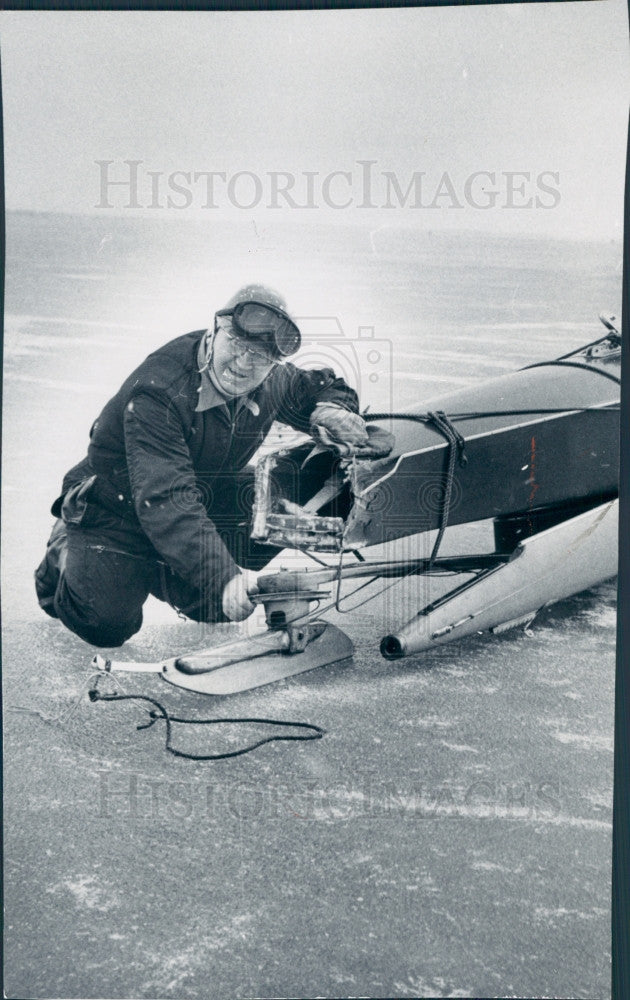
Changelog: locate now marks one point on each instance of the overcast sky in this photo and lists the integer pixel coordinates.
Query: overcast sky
(535, 88)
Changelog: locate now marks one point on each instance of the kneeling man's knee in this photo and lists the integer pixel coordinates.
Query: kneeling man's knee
(96, 631)
(110, 633)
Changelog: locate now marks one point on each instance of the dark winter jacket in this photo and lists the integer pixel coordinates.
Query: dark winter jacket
(154, 456)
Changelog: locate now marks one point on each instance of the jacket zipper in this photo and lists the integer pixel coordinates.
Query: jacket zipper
(232, 419)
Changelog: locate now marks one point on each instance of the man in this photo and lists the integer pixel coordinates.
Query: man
(139, 514)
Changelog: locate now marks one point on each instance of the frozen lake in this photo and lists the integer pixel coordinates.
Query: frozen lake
(451, 834)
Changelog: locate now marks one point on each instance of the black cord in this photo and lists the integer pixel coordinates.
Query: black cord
(316, 731)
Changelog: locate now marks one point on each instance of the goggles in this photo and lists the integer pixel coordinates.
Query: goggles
(272, 327)
(260, 359)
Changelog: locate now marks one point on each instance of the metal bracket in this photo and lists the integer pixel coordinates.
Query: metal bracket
(296, 529)
(300, 635)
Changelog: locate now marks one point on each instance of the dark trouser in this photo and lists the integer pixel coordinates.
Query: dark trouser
(98, 572)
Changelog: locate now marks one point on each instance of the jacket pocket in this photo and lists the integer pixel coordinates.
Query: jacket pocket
(75, 502)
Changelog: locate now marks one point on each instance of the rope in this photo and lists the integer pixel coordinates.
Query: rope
(456, 451)
(613, 336)
(424, 418)
(444, 425)
(160, 713)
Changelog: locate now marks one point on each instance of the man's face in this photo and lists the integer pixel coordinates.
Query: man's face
(238, 365)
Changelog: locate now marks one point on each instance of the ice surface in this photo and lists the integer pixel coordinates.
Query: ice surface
(451, 833)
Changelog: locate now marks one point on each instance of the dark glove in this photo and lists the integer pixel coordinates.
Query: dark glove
(347, 433)
(338, 428)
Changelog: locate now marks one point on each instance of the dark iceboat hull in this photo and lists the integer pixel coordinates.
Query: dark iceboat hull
(542, 438)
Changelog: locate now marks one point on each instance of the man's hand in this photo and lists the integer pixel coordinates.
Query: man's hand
(236, 603)
(338, 428)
